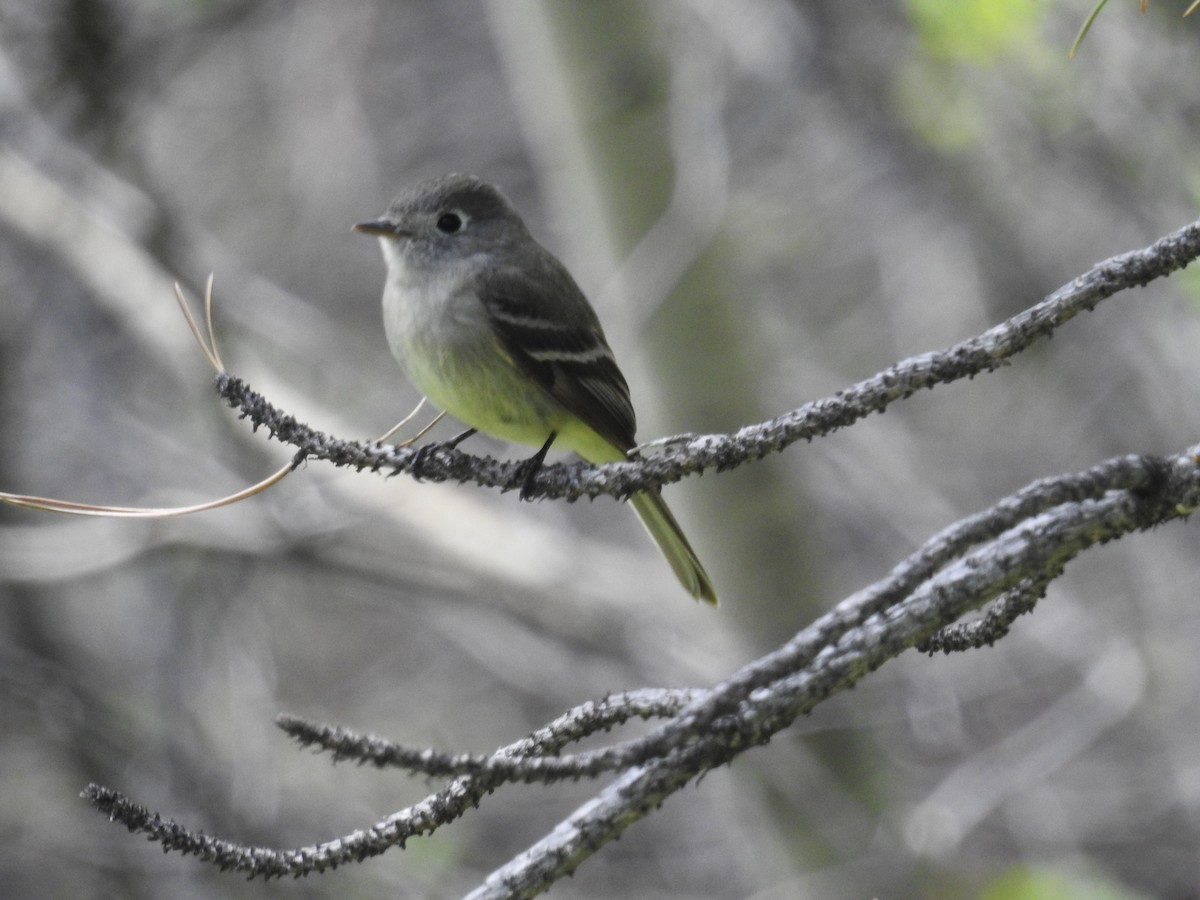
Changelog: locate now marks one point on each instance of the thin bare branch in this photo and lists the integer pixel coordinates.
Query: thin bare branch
(770, 693)
(686, 455)
(1001, 559)
(583, 721)
(460, 795)
(1006, 554)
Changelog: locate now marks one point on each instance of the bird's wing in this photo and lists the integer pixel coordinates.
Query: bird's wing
(551, 331)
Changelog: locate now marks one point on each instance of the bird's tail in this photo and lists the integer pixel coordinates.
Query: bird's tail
(656, 516)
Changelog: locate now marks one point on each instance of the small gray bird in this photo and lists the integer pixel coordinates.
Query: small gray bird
(491, 327)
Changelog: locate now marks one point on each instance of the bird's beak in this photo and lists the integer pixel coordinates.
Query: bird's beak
(380, 227)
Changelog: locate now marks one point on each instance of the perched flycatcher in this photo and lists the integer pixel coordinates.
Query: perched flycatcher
(491, 327)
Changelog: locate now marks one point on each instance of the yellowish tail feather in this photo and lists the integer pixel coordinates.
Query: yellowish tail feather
(656, 516)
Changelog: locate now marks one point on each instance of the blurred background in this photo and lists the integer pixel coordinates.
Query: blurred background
(766, 201)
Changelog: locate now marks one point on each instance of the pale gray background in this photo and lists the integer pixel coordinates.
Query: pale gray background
(847, 192)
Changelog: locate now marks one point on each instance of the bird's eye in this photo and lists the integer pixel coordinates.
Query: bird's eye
(449, 223)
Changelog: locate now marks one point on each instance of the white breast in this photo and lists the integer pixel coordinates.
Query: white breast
(440, 333)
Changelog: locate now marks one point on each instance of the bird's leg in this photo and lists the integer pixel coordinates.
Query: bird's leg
(531, 466)
(423, 452)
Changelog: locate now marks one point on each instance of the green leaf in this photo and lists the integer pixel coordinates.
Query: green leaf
(976, 31)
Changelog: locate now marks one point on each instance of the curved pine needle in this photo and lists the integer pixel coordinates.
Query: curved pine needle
(69, 507)
(72, 508)
(420, 434)
(209, 353)
(208, 318)
(208, 346)
(1085, 28)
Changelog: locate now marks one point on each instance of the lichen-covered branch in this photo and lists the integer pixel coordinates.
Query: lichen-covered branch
(1005, 555)
(833, 654)
(693, 454)
(1000, 560)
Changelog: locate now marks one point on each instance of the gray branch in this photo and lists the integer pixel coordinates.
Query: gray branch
(690, 454)
(1000, 561)
(857, 637)
(1011, 549)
